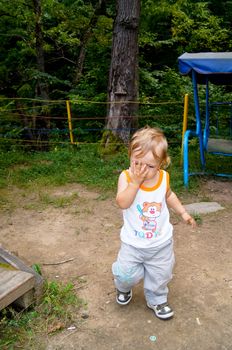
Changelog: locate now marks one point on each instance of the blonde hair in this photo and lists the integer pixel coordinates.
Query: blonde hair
(150, 139)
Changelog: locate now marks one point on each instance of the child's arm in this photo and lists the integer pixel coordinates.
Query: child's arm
(174, 203)
(127, 190)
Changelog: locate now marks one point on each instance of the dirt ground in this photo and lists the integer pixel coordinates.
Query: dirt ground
(87, 232)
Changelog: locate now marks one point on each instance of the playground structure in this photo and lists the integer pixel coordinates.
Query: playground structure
(205, 68)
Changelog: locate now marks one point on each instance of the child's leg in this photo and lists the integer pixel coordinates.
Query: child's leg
(128, 269)
(158, 272)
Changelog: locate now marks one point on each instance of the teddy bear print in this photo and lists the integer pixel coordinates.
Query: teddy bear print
(148, 215)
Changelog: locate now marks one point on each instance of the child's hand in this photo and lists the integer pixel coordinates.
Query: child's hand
(138, 172)
(188, 219)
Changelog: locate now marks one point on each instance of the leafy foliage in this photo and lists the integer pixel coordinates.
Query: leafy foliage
(167, 29)
(20, 329)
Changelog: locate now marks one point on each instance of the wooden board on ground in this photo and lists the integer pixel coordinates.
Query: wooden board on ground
(19, 283)
(14, 284)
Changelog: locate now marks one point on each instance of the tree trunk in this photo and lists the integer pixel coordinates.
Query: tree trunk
(123, 77)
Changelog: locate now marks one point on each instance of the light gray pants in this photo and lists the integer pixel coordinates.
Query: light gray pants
(154, 265)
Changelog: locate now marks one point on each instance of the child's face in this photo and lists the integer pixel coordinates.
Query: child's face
(152, 164)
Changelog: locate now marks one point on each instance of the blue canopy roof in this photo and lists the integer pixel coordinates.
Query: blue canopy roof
(217, 66)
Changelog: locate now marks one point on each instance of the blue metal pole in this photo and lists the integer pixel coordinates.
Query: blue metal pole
(187, 135)
(206, 129)
(198, 118)
(185, 158)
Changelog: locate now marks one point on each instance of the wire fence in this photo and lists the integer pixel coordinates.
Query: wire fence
(42, 124)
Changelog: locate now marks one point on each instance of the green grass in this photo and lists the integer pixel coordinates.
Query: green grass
(59, 167)
(198, 219)
(59, 202)
(36, 171)
(81, 165)
(26, 329)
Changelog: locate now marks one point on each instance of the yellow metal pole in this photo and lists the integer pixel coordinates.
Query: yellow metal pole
(185, 121)
(69, 121)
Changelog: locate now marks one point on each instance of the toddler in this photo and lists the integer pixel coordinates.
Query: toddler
(146, 249)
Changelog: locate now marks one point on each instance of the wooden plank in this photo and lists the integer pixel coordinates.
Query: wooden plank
(8, 258)
(14, 284)
(25, 300)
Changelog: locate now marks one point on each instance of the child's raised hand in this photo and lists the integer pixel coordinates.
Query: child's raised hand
(138, 172)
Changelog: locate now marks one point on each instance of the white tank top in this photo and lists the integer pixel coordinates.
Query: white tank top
(146, 221)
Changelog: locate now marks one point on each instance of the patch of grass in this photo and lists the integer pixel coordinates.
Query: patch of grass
(57, 202)
(37, 172)
(4, 203)
(198, 219)
(61, 166)
(102, 197)
(55, 299)
(20, 330)
(83, 164)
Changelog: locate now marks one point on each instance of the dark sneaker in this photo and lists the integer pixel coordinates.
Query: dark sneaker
(123, 298)
(162, 311)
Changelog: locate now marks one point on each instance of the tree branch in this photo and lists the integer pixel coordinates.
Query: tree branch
(99, 10)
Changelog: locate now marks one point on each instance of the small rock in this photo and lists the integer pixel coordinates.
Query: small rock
(84, 315)
(203, 207)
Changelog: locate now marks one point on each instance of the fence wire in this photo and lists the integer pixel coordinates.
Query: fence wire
(33, 122)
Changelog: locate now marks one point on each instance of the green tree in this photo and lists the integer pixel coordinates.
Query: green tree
(168, 29)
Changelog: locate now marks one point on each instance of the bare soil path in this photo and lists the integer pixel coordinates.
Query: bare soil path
(87, 231)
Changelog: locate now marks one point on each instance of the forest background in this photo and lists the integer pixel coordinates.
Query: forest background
(58, 50)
